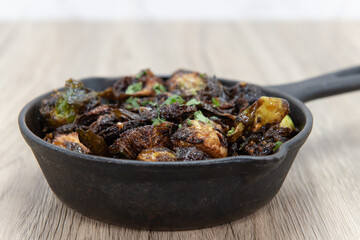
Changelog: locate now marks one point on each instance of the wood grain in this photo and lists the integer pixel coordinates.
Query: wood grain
(320, 198)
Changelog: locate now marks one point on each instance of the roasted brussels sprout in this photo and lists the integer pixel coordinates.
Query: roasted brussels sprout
(68, 141)
(266, 110)
(157, 155)
(204, 136)
(63, 107)
(187, 83)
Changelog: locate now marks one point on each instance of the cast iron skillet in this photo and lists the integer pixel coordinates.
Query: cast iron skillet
(177, 195)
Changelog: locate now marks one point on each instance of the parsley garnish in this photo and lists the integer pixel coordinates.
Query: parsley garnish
(277, 145)
(174, 99)
(159, 88)
(140, 74)
(180, 125)
(231, 131)
(146, 102)
(214, 118)
(215, 102)
(188, 121)
(158, 120)
(198, 115)
(193, 102)
(133, 88)
(203, 75)
(132, 103)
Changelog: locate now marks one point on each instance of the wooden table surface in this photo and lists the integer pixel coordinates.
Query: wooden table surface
(320, 198)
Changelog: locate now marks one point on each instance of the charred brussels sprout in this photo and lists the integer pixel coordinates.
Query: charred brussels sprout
(63, 107)
(131, 142)
(190, 154)
(68, 141)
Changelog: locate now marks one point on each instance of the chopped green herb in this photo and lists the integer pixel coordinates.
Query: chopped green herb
(157, 121)
(231, 131)
(193, 102)
(132, 103)
(277, 145)
(174, 99)
(188, 121)
(133, 88)
(144, 103)
(140, 74)
(159, 88)
(180, 125)
(215, 102)
(198, 115)
(203, 75)
(214, 118)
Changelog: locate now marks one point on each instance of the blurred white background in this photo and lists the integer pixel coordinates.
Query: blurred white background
(179, 9)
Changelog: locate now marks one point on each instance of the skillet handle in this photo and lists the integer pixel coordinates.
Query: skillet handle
(342, 81)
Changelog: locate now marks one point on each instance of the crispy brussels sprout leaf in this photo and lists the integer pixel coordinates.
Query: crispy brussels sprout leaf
(287, 123)
(266, 110)
(94, 142)
(125, 115)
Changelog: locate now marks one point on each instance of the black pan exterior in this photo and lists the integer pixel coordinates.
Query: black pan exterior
(167, 195)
